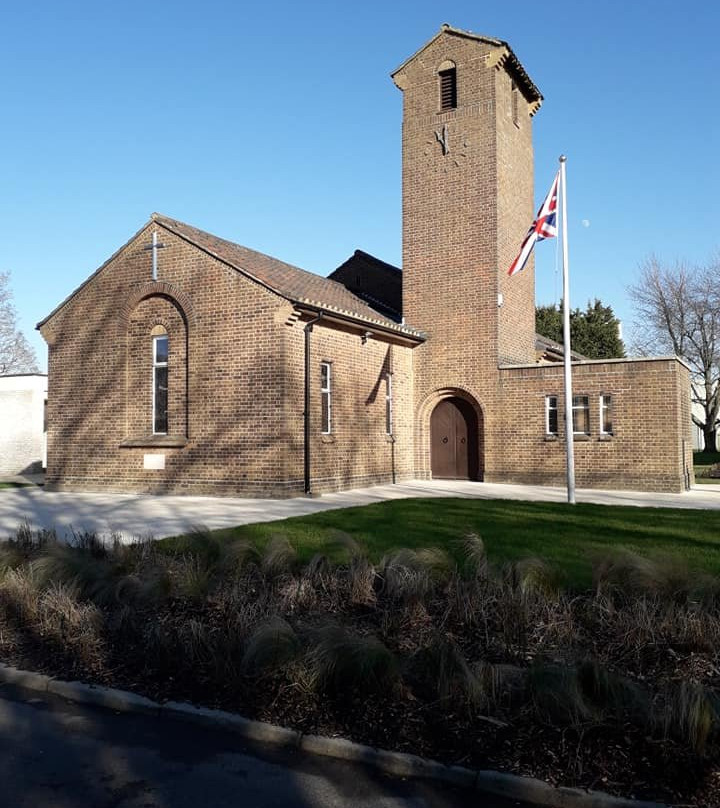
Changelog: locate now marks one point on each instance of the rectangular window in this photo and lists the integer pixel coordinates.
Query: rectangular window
(388, 404)
(581, 415)
(160, 385)
(514, 101)
(606, 425)
(551, 415)
(326, 397)
(448, 89)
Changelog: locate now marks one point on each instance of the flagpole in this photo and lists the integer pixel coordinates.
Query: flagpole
(566, 342)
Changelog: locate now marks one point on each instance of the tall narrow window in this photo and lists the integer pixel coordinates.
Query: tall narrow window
(160, 385)
(606, 425)
(326, 396)
(581, 415)
(388, 404)
(448, 88)
(514, 103)
(551, 415)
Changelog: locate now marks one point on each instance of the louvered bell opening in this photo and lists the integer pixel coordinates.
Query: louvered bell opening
(448, 89)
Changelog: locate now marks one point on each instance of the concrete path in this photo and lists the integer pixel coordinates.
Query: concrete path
(133, 516)
(59, 755)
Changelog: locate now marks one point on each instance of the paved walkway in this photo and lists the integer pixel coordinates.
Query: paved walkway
(132, 516)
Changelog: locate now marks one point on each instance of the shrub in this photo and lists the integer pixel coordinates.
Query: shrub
(691, 714)
(278, 559)
(192, 577)
(272, 646)
(19, 592)
(75, 627)
(443, 667)
(409, 575)
(340, 661)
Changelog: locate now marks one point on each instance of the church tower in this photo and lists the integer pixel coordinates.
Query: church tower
(467, 165)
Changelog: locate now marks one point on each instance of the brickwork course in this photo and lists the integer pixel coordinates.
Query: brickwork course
(248, 336)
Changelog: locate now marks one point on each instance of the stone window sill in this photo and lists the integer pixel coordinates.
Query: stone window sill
(581, 438)
(551, 438)
(327, 438)
(389, 438)
(155, 442)
(606, 437)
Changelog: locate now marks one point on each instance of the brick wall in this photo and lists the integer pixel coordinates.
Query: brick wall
(648, 449)
(235, 372)
(464, 216)
(358, 451)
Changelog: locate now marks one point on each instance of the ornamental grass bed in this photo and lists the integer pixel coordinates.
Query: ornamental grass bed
(614, 687)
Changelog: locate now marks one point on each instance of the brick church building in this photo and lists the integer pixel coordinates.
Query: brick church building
(200, 366)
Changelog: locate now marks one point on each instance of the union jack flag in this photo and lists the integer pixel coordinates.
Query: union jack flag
(544, 226)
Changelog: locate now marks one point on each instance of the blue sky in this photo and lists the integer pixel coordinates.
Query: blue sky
(276, 125)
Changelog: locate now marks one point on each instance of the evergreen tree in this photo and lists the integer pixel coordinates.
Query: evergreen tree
(594, 333)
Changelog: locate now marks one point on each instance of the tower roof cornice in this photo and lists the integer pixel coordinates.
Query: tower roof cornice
(505, 56)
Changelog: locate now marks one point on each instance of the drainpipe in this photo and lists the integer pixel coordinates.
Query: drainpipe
(306, 415)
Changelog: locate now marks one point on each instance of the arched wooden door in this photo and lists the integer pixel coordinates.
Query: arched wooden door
(454, 443)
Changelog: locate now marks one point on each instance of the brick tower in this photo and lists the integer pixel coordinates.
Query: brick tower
(467, 202)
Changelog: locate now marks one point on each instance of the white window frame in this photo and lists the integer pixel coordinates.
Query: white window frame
(155, 366)
(606, 407)
(585, 407)
(326, 390)
(389, 425)
(548, 408)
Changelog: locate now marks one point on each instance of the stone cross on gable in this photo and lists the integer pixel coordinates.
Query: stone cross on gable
(155, 245)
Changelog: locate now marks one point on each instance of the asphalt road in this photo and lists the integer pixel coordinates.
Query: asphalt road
(59, 755)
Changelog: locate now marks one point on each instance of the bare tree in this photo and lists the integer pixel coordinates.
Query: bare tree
(678, 311)
(16, 353)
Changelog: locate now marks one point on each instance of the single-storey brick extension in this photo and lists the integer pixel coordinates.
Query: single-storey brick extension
(201, 366)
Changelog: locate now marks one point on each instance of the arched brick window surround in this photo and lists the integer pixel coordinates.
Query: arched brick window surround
(134, 339)
(423, 436)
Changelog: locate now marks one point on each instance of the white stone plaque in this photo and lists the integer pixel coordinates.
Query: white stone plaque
(154, 461)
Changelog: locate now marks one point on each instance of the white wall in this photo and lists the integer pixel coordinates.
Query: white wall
(22, 436)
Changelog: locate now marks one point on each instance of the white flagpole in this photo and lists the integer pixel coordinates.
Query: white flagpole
(566, 342)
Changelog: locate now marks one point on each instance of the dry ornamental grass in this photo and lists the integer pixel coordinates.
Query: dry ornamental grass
(615, 687)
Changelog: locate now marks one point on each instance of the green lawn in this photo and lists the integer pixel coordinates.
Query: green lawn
(570, 537)
(14, 485)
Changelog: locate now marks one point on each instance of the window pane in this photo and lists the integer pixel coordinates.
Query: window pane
(161, 350)
(325, 375)
(581, 415)
(160, 421)
(607, 414)
(325, 412)
(552, 415)
(388, 404)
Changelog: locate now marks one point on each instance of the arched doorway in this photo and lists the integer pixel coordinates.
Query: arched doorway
(454, 441)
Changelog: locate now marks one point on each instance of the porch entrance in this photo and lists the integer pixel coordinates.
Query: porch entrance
(454, 444)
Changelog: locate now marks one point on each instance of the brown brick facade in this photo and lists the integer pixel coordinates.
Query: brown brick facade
(236, 327)
(236, 385)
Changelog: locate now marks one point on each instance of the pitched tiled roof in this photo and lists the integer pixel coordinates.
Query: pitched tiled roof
(295, 284)
(554, 351)
(287, 280)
